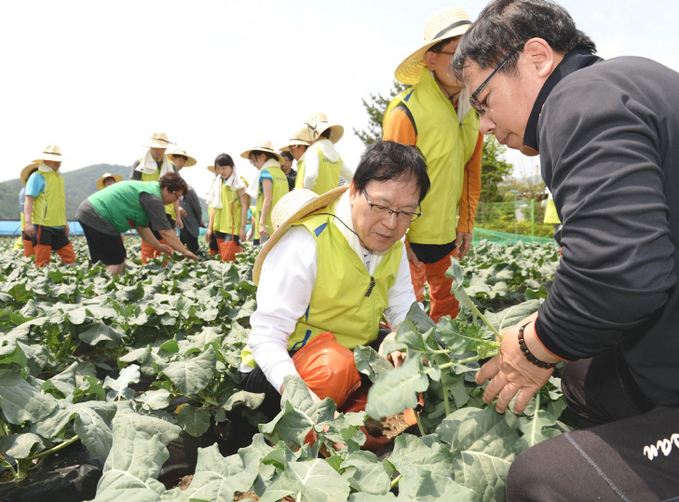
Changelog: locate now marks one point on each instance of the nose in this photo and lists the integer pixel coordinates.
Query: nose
(486, 125)
(390, 220)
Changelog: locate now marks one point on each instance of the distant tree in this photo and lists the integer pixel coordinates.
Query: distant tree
(375, 109)
(494, 170)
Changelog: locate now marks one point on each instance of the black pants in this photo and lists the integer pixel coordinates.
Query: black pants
(629, 452)
(189, 240)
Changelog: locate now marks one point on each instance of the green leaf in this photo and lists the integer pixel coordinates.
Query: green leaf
(366, 473)
(249, 399)
(192, 375)
(397, 390)
(155, 399)
(119, 386)
(22, 401)
(536, 429)
(20, 445)
(370, 363)
(426, 487)
(93, 425)
(194, 421)
(513, 315)
(313, 479)
(413, 456)
(100, 332)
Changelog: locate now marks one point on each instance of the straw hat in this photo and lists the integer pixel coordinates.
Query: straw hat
(264, 146)
(100, 181)
(442, 24)
(51, 152)
(158, 140)
(292, 207)
(318, 123)
(212, 169)
(175, 150)
(26, 172)
(301, 137)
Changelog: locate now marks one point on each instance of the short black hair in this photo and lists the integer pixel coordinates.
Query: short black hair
(224, 159)
(325, 134)
(173, 182)
(287, 155)
(507, 24)
(388, 160)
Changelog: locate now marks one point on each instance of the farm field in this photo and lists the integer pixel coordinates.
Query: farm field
(126, 385)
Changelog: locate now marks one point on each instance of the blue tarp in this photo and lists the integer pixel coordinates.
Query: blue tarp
(12, 228)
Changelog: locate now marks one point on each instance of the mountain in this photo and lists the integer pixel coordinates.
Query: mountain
(78, 184)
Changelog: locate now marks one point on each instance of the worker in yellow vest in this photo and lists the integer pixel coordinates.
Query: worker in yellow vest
(269, 185)
(297, 146)
(21, 242)
(323, 164)
(435, 115)
(45, 210)
(151, 167)
(334, 266)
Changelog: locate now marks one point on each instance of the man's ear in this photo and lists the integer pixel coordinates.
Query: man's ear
(540, 56)
(353, 193)
(429, 60)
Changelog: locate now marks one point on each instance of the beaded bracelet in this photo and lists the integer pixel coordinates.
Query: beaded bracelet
(528, 354)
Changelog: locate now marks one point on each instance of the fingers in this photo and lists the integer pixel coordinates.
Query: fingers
(397, 358)
(488, 370)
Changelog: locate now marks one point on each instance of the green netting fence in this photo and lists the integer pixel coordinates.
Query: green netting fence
(510, 222)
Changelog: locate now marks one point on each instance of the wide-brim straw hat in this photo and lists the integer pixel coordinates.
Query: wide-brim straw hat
(318, 123)
(178, 151)
(301, 137)
(158, 140)
(442, 24)
(26, 172)
(292, 207)
(264, 146)
(100, 181)
(51, 152)
(212, 169)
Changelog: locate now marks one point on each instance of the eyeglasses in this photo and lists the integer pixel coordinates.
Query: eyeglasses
(174, 192)
(401, 216)
(474, 97)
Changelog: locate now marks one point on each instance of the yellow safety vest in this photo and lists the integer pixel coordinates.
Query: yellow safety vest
(551, 215)
(228, 217)
(447, 145)
(49, 207)
(279, 189)
(169, 208)
(328, 173)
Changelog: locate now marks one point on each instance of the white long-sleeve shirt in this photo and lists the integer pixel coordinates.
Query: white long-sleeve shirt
(285, 286)
(312, 162)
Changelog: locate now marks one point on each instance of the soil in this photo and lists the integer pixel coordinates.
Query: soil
(389, 427)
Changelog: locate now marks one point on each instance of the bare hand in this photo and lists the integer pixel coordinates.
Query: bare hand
(190, 255)
(202, 224)
(180, 223)
(164, 248)
(463, 243)
(412, 258)
(29, 230)
(208, 235)
(242, 235)
(397, 357)
(182, 212)
(262, 232)
(512, 373)
(67, 229)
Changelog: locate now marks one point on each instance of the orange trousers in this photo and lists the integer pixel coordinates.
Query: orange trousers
(442, 301)
(148, 252)
(42, 254)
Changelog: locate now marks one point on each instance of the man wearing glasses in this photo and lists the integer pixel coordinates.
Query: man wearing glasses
(339, 266)
(606, 133)
(435, 116)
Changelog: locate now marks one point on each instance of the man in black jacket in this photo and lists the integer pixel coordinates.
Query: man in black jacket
(607, 134)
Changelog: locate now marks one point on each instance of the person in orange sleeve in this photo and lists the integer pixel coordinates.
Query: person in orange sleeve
(435, 115)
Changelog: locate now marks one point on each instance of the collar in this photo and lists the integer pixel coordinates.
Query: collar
(44, 168)
(573, 61)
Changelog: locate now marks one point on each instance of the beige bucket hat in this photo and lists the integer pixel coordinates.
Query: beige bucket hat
(317, 123)
(51, 152)
(301, 137)
(445, 23)
(26, 172)
(175, 150)
(292, 207)
(100, 181)
(264, 146)
(158, 140)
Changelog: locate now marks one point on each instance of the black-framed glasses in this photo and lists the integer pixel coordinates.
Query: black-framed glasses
(401, 216)
(474, 97)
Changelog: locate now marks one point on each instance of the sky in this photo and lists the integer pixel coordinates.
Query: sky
(98, 78)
